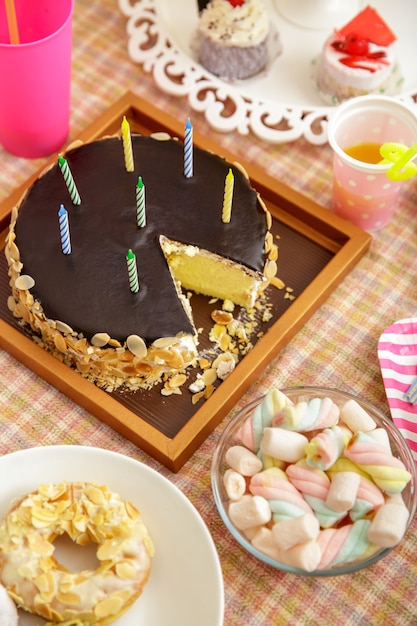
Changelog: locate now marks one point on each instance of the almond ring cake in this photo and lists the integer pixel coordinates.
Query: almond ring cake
(87, 513)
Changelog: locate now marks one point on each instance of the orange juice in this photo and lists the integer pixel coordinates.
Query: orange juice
(366, 152)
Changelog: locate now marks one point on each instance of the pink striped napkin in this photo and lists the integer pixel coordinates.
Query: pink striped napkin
(397, 353)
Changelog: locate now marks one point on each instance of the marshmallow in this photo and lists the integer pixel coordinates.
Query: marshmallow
(388, 472)
(251, 431)
(308, 415)
(295, 531)
(284, 445)
(243, 460)
(356, 418)
(234, 483)
(305, 556)
(343, 491)
(314, 484)
(326, 447)
(390, 523)
(380, 436)
(345, 544)
(264, 541)
(285, 501)
(249, 511)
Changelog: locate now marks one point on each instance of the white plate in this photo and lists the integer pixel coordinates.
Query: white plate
(185, 587)
(160, 36)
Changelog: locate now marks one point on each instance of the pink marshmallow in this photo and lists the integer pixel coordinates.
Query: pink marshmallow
(285, 501)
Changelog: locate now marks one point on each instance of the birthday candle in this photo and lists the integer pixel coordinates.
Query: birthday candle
(188, 150)
(140, 203)
(69, 180)
(132, 271)
(228, 197)
(64, 230)
(127, 145)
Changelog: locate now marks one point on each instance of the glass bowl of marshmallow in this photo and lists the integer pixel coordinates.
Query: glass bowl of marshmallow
(314, 481)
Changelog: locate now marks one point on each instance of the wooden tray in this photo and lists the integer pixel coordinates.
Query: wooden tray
(316, 250)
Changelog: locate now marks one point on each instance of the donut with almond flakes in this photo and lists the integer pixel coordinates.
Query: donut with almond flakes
(87, 513)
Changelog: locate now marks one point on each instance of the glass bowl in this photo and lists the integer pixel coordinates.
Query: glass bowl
(229, 437)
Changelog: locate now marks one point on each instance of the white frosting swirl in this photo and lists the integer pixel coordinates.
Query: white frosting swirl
(247, 24)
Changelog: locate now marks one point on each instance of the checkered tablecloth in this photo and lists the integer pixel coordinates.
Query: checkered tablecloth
(337, 347)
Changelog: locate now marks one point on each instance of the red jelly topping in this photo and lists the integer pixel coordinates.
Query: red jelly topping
(236, 3)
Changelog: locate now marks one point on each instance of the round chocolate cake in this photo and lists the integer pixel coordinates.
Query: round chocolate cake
(81, 303)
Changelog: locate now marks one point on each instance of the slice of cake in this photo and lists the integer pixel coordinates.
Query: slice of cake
(81, 304)
(358, 59)
(233, 38)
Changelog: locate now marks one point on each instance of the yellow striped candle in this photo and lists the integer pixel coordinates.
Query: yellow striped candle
(127, 145)
(228, 197)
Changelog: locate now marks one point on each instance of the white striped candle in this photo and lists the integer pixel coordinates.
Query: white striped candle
(127, 145)
(132, 271)
(188, 150)
(140, 203)
(228, 197)
(69, 180)
(64, 230)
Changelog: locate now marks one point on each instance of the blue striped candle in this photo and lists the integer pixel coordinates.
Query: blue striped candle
(69, 180)
(64, 230)
(132, 271)
(188, 150)
(140, 203)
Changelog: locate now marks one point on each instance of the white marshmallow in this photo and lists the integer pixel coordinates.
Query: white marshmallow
(305, 556)
(249, 511)
(292, 532)
(389, 524)
(264, 541)
(282, 444)
(380, 436)
(234, 483)
(356, 418)
(243, 460)
(343, 491)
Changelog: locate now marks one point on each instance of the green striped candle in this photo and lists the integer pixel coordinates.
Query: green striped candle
(132, 271)
(140, 203)
(69, 180)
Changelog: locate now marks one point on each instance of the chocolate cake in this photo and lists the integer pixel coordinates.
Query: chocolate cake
(80, 304)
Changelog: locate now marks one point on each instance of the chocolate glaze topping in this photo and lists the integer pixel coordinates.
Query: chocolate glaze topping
(89, 289)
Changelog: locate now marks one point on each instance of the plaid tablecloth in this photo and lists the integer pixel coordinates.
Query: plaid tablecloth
(336, 348)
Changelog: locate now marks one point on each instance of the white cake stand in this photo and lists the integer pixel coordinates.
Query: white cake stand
(318, 14)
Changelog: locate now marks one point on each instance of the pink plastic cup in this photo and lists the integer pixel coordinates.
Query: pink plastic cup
(35, 77)
(362, 193)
